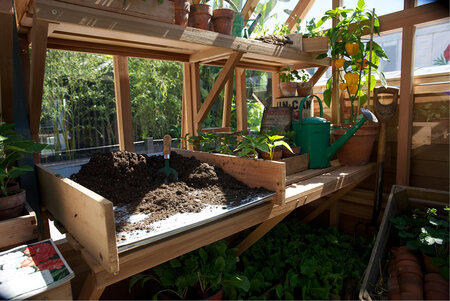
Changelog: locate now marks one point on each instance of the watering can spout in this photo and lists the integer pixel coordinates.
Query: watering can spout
(333, 149)
(253, 25)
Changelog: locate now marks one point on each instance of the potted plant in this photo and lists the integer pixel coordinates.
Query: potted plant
(249, 146)
(288, 85)
(200, 14)
(12, 147)
(357, 61)
(289, 138)
(273, 144)
(206, 273)
(223, 17)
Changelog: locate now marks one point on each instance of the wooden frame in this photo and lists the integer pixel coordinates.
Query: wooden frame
(18, 230)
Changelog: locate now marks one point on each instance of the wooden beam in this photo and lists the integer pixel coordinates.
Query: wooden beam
(196, 96)
(406, 104)
(275, 88)
(336, 94)
(223, 77)
(249, 8)
(315, 78)
(37, 71)
(227, 99)
(300, 10)
(123, 103)
(211, 54)
(6, 62)
(188, 119)
(241, 100)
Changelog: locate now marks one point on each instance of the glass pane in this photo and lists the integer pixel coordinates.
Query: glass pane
(382, 7)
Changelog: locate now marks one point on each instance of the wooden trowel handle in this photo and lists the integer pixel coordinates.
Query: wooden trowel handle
(167, 141)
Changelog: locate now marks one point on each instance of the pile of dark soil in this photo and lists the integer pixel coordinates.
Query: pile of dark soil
(132, 180)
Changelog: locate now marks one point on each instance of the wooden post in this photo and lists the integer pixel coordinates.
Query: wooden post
(275, 88)
(6, 62)
(39, 33)
(336, 94)
(188, 118)
(227, 99)
(241, 100)
(123, 103)
(196, 97)
(406, 103)
(301, 10)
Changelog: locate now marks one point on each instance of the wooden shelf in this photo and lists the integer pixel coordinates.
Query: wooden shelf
(81, 28)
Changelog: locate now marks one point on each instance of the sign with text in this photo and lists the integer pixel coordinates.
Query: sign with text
(294, 103)
(277, 118)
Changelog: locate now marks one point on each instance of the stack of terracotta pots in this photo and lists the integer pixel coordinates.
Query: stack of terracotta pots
(407, 281)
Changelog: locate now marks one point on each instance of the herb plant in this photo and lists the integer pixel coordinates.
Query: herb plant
(289, 75)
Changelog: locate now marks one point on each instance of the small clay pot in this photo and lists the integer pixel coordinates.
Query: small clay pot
(406, 256)
(409, 266)
(200, 16)
(287, 153)
(12, 206)
(182, 9)
(392, 269)
(304, 89)
(410, 296)
(433, 295)
(12, 187)
(277, 154)
(429, 267)
(435, 277)
(436, 287)
(411, 283)
(223, 20)
(288, 89)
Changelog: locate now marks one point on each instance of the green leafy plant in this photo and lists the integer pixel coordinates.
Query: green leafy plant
(289, 75)
(351, 54)
(12, 148)
(198, 274)
(250, 144)
(274, 141)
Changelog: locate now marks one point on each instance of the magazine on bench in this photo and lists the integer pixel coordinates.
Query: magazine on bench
(31, 269)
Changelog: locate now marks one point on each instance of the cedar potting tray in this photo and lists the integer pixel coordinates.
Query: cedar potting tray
(91, 219)
(403, 199)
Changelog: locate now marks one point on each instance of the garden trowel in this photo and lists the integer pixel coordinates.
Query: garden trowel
(167, 141)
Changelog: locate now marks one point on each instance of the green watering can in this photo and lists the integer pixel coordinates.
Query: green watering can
(312, 134)
(238, 25)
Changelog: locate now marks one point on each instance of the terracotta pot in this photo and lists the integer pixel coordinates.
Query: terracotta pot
(410, 296)
(406, 256)
(12, 205)
(409, 266)
(411, 283)
(304, 89)
(436, 287)
(401, 249)
(182, 9)
(287, 153)
(357, 150)
(12, 187)
(435, 277)
(223, 20)
(432, 295)
(200, 16)
(216, 296)
(287, 89)
(277, 154)
(392, 269)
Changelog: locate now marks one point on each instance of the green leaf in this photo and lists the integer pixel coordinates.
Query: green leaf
(362, 97)
(382, 78)
(279, 291)
(321, 56)
(219, 264)
(240, 281)
(373, 81)
(361, 4)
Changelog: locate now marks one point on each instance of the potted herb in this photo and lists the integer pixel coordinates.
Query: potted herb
(357, 61)
(288, 84)
(273, 144)
(12, 147)
(289, 138)
(249, 146)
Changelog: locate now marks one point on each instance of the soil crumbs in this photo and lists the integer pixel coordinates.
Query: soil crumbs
(132, 182)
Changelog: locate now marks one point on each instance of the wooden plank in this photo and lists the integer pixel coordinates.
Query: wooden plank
(123, 103)
(88, 216)
(6, 64)
(20, 8)
(249, 8)
(296, 164)
(309, 173)
(91, 47)
(433, 169)
(241, 100)
(254, 173)
(187, 98)
(196, 97)
(210, 54)
(223, 77)
(69, 18)
(275, 88)
(217, 130)
(227, 100)
(20, 229)
(61, 292)
(315, 45)
(315, 78)
(259, 232)
(327, 183)
(405, 109)
(90, 289)
(142, 259)
(37, 70)
(300, 10)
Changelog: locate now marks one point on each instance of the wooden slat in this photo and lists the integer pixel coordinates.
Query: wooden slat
(6, 64)
(296, 164)
(405, 109)
(210, 54)
(87, 216)
(196, 97)
(123, 103)
(275, 88)
(300, 10)
(38, 57)
(321, 71)
(249, 8)
(307, 174)
(254, 173)
(217, 130)
(187, 99)
(317, 44)
(61, 292)
(20, 229)
(20, 9)
(223, 77)
(241, 100)
(227, 100)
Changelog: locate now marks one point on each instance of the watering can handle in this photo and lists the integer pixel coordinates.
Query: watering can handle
(300, 114)
(167, 141)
